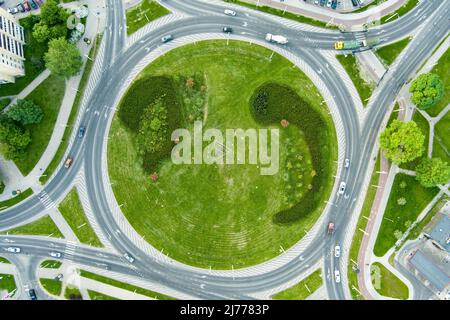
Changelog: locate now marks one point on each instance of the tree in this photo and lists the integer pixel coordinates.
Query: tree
(52, 23)
(26, 112)
(14, 139)
(427, 89)
(41, 32)
(431, 172)
(63, 58)
(52, 13)
(402, 142)
(154, 129)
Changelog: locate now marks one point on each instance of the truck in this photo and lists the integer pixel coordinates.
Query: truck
(276, 38)
(356, 44)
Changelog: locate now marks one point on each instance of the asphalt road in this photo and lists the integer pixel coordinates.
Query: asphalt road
(207, 18)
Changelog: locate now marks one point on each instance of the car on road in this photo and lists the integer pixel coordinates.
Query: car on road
(342, 187)
(227, 29)
(32, 294)
(129, 258)
(330, 228)
(13, 10)
(346, 163)
(13, 249)
(81, 132)
(68, 163)
(87, 40)
(337, 251)
(167, 38)
(337, 276)
(230, 12)
(55, 254)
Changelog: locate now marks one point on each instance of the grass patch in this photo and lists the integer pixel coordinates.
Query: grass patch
(351, 66)
(52, 286)
(286, 14)
(303, 289)
(34, 63)
(73, 212)
(358, 236)
(41, 227)
(125, 286)
(145, 12)
(51, 264)
(13, 201)
(388, 53)
(94, 295)
(7, 282)
(48, 95)
(397, 218)
(58, 158)
(72, 293)
(238, 230)
(442, 69)
(441, 145)
(4, 103)
(408, 6)
(390, 285)
(4, 260)
(423, 125)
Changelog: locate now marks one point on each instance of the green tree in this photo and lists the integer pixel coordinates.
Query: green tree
(63, 58)
(41, 32)
(153, 130)
(431, 172)
(402, 142)
(26, 112)
(427, 89)
(52, 13)
(13, 139)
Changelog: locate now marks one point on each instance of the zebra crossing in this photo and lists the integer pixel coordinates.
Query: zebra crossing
(46, 201)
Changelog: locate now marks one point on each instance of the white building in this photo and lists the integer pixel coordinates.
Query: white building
(12, 40)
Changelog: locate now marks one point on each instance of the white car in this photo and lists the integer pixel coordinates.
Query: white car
(316, 2)
(13, 249)
(342, 188)
(329, 2)
(337, 251)
(337, 276)
(55, 254)
(346, 163)
(229, 12)
(129, 258)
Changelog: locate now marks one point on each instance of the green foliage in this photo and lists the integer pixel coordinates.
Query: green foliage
(2, 187)
(63, 58)
(432, 172)
(193, 92)
(25, 112)
(284, 103)
(52, 22)
(14, 138)
(402, 142)
(427, 89)
(153, 130)
(260, 102)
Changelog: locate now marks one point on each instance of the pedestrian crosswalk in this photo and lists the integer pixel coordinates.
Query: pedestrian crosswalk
(46, 201)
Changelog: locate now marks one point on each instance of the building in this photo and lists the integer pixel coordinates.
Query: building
(12, 40)
(439, 231)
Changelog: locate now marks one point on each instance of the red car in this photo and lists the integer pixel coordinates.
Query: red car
(27, 6)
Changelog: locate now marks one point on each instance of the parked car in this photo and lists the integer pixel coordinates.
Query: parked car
(337, 251)
(81, 132)
(337, 276)
(329, 2)
(33, 4)
(13, 249)
(39, 2)
(55, 254)
(354, 3)
(59, 277)
(20, 7)
(27, 6)
(129, 258)
(32, 294)
(167, 38)
(227, 29)
(13, 10)
(229, 12)
(68, 163)
(334, 5)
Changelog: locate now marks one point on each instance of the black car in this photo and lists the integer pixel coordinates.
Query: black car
(227, 29)
(81, 132)
(334, 4)
(355, 3)
(21, 7)
(32, 294)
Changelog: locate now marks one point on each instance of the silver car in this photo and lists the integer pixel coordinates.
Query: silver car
(129, 258)
(337, 251)
(13, 249)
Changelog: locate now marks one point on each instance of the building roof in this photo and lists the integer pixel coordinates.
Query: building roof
(441, 232)
(428, 269)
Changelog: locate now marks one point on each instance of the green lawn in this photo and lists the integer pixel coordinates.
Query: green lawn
(4, 260)
(391, 51)
(13, 201)
(389, 284)
(34, 63)
(287, 15)
(42, 227)
(70, 290)
(303, 289)
(94, 295)
(72, 211)
(52, 286)
(408, 6)
(351, 66)
(4, 103)
(7, 282)
(397, 217)
(442, 69)
(125, 286)
(423, 125)
(146, 11)
(238, 230)
(48, 95)
(359, 235)
(73, 112)
(52, 264)
(441, 146)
